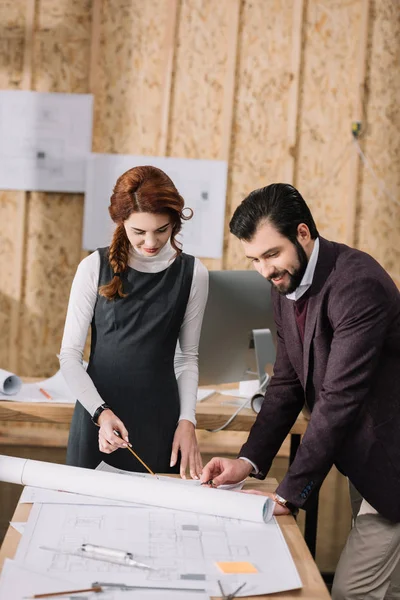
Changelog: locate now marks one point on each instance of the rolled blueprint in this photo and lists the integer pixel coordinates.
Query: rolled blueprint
(148, 491)
(9, 383)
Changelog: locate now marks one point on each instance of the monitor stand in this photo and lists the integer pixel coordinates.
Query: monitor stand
(264, 350)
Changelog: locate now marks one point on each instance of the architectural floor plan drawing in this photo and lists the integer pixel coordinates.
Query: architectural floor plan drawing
(182, 548)
(18, 583)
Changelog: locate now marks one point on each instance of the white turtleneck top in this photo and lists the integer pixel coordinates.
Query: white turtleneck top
(79, 317)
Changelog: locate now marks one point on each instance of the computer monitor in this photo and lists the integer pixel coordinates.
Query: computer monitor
(238, 302)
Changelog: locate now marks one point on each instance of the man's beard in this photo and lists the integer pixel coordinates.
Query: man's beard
(295, 277)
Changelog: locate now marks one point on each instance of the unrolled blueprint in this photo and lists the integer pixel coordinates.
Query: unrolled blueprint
(182, 548)
(190, 536)
(32, 495)
(18, 583)
(45, 139)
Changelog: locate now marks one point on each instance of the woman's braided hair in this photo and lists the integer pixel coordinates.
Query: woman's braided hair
(141, 189)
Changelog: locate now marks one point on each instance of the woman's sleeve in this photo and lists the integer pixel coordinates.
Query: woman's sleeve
(187, 352)
(81, 305)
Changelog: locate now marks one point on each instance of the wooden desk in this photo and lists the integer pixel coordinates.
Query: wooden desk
(47, 424)
(210, 413)
(313, 585)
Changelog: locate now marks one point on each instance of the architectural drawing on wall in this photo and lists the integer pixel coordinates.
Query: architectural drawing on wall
(202, 183)
(45, 139)
(182, 548)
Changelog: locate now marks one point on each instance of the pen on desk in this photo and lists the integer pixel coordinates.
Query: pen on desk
(117, 433)
(46, 394)
(118, 557)
(210, 483)
(112, 553)
(96, 589)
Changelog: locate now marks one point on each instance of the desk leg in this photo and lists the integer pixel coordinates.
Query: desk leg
(310, 529)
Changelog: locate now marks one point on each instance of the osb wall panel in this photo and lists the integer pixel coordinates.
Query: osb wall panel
(196, 114)
(328, 100)
(12, 35)
(12, 42)
(198, 99)
(62, 46)
(129, 76)
(259, 146)
(379, 218)
(61, 61)
(9, 217)
(53, 251)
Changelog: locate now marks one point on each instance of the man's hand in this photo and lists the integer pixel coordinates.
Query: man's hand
(185, 441)
(225, 470)
(278, 508)
(108, 441)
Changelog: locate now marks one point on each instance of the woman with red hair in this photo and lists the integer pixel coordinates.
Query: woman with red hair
(144, 299)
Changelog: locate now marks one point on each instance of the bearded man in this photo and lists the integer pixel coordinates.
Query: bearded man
(337, 315)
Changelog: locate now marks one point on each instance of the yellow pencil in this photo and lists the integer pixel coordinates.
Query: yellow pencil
(117, 433)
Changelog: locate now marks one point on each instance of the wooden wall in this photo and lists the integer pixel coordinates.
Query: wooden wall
(272, 86)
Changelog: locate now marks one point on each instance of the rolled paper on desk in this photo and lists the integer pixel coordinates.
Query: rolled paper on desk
(9, 383)
(256, 402)
(149, 491)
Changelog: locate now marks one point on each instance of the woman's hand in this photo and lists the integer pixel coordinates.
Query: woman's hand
(108, 441)
(185, 441)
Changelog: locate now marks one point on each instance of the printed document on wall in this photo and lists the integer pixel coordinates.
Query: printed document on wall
(201, 183)
(45, 139)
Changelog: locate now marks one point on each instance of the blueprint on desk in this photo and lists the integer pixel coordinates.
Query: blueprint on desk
(18, 583)
(182, 547)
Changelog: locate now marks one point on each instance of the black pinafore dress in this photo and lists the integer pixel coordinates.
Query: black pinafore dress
(132, 366)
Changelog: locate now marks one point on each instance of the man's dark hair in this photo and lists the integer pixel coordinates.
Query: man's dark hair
(280, 204)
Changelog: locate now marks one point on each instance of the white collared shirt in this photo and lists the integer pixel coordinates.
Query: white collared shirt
(308, 276)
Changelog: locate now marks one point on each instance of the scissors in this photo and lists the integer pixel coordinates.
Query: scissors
(230, 596)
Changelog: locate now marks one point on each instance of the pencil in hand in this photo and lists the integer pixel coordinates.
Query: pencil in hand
(117, 433)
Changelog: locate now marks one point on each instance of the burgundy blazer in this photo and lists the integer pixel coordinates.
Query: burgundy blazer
(348, 374)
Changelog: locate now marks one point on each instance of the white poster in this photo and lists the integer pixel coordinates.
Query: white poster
(45, 139)
(202, 184)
